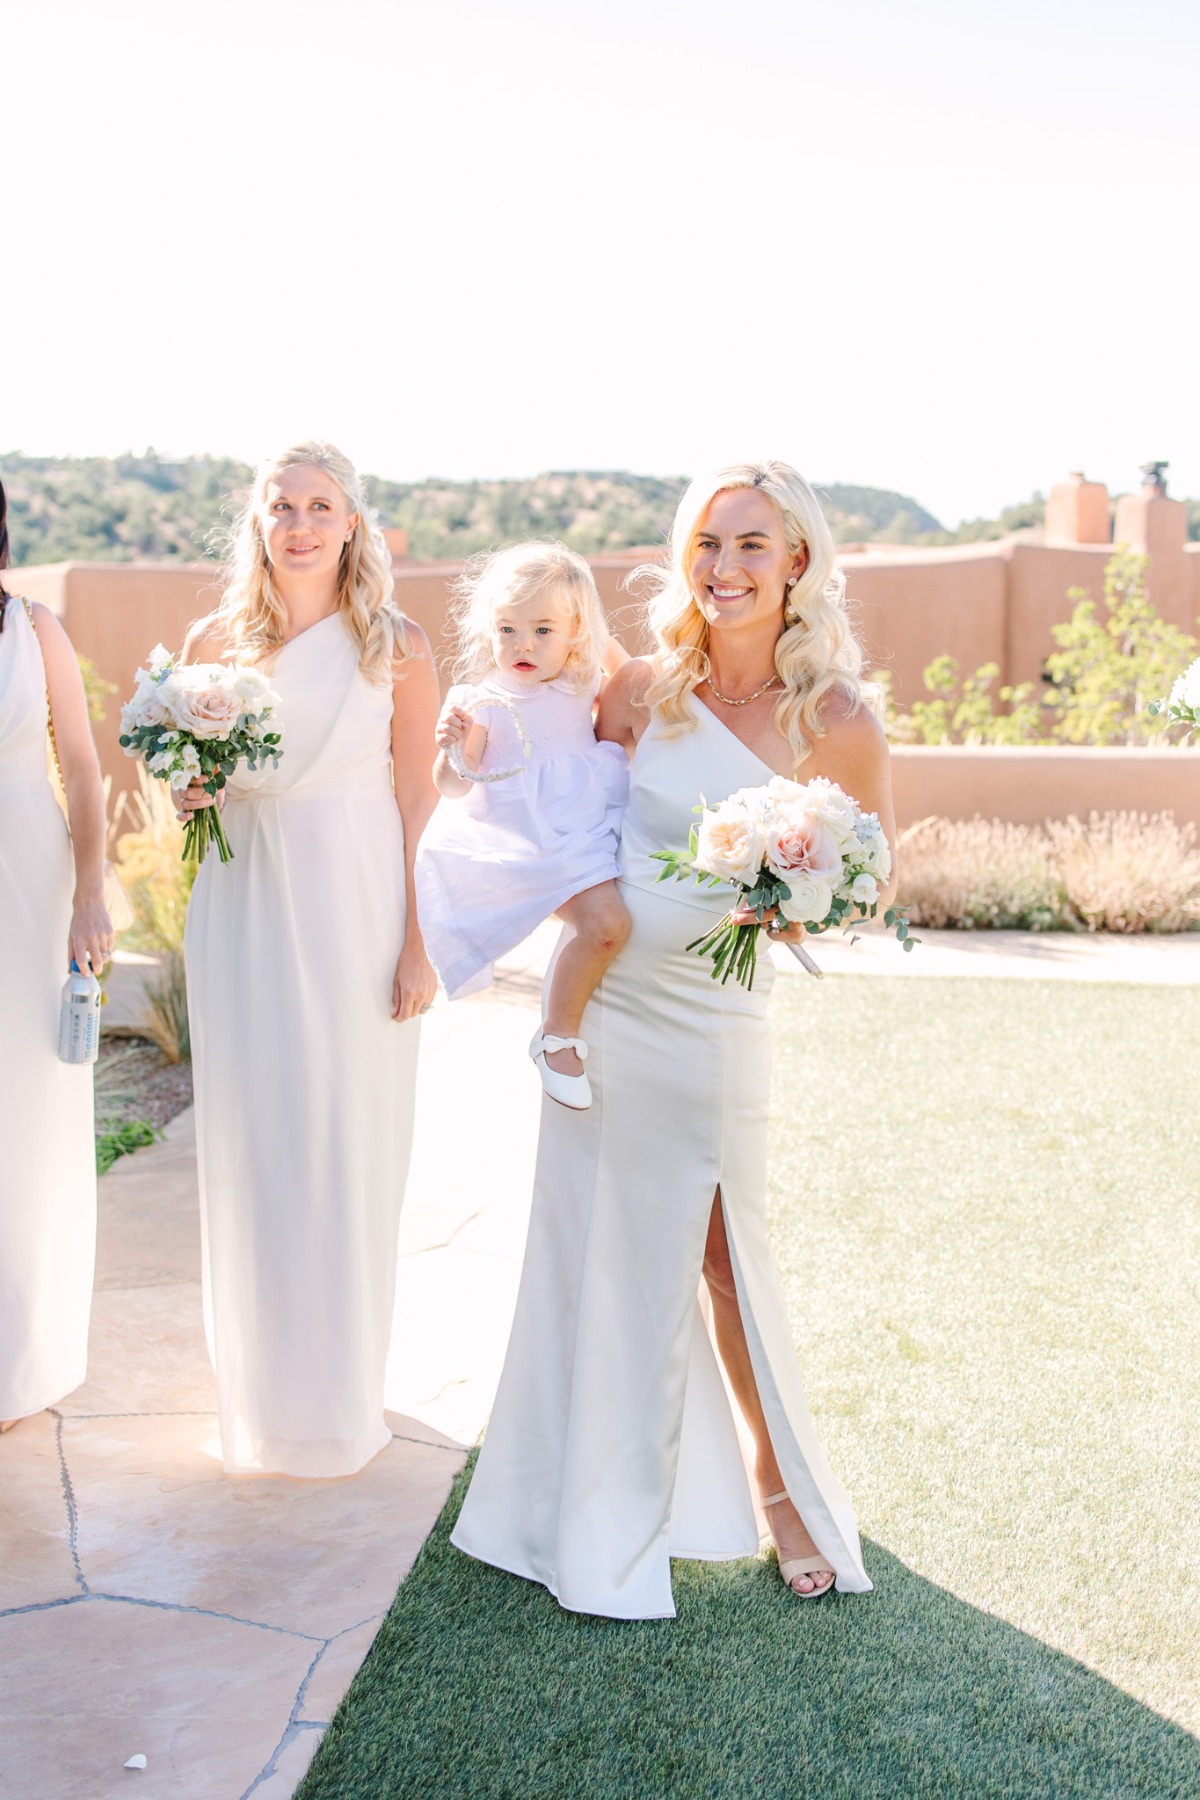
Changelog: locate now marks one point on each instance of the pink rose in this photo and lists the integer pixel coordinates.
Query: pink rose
(799, 844)
(206, 710)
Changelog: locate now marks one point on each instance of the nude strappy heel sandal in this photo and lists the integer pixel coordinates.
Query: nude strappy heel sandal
(800, 1565)
(569, 1090)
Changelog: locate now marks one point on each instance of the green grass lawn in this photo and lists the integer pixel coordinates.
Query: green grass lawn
(1000, 1182)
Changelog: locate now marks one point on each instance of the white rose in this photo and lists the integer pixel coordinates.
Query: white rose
(730, 843)
(253, 690)
(809, 901)
(834, 809)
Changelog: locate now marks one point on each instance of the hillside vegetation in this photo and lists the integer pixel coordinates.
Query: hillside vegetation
(122, 509)
(129, 508)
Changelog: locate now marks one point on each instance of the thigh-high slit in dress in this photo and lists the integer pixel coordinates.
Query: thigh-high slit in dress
(612, 1446)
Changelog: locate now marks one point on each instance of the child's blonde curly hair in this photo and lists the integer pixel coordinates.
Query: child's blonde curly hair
(497, 578)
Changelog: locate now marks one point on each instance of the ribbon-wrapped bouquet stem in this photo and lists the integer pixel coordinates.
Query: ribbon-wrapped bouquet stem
(195, 722)
(804, 852)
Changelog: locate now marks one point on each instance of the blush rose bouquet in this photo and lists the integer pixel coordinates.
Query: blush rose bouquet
(196, 722)
(805, 852)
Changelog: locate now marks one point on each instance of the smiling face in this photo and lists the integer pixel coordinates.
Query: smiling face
(306, 521)
(531, 639)
(740, 562)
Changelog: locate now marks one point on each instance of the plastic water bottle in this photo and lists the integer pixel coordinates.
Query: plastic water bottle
(79, 1019)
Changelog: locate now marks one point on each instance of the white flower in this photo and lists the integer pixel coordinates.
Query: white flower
(826, 802)
(160, 658)
(809, 901)
(874, 852)
(161, 761)
(731, 842)
(864, 890)
(1186, 691)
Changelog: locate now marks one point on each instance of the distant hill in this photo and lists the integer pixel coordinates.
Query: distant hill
(147, 507)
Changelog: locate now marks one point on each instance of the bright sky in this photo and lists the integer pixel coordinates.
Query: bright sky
(943, 247)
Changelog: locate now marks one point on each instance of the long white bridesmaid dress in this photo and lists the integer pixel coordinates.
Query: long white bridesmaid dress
(304, 1082)
(612, 1446)
(47, 1152)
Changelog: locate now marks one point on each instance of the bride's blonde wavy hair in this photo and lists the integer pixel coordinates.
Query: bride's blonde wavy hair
(816, 652)
(251, 612)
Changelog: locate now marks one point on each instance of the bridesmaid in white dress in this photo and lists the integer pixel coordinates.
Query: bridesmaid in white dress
(51, 909)
(306, 975)
(613, 1446)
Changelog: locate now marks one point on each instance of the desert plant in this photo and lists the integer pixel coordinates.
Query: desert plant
(962, 709)
(980, 873)
(1128, 871)
(1125, 872)
(164, 1017)
(96, 689)
(149, 860)
(1107, 669)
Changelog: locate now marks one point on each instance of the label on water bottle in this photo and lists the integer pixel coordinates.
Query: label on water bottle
(79, 1019)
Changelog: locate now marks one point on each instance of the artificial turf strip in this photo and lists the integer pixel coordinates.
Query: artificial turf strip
(997, 1183)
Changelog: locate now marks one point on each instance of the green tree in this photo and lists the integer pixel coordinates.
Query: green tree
(1112, 661)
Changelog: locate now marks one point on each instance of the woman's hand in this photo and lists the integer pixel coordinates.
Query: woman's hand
(776, 927)
(91, 938)
(415, 984)
(193, 798)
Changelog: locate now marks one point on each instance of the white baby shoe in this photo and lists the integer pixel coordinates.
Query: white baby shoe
(568, 1090)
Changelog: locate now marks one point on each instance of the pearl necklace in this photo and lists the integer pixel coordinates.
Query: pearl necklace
(745, 701)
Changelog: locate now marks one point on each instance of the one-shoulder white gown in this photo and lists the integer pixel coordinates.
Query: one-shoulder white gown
(612, 1446)
(47, 1152)
(304, 1083)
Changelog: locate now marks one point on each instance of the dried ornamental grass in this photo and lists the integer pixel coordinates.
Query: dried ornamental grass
(1127, 872)
(971, 873)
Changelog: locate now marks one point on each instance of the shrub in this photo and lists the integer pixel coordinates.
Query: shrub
(149, 862)
(164, 1018)
(979, 872)
(1118, 872)
(1127, 872)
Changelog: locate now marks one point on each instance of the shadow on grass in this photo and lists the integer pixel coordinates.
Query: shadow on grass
(479, 1685)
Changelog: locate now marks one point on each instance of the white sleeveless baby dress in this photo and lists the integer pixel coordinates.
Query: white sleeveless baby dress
(494, 864)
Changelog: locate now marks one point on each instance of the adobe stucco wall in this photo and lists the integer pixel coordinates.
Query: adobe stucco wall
(1025, 786)
(980, 603)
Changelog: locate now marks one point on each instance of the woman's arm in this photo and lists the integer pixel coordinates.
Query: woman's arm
(623, 715)
(91, 939)
(414, 719)
(854, 753)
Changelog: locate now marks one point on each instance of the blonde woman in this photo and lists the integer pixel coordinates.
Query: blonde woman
(612, 1446)
(532, 830)
(306, 975)
(51, 912)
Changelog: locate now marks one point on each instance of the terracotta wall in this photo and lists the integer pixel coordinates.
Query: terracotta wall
(1025, 786)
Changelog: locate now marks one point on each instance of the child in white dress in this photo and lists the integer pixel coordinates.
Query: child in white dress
(531, 804)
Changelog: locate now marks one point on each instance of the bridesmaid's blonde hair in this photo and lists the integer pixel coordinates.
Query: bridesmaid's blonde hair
(251, 612)
(509, 578)
(816, 652)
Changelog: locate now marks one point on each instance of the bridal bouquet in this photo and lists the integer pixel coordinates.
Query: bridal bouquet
(196, 722)
(1182, 704)
(806, 851)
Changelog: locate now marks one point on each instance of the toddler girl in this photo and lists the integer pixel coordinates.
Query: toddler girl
(535, 831)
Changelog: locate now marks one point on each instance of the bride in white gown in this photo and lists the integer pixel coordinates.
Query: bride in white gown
(306, 971)
(612, 1446)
